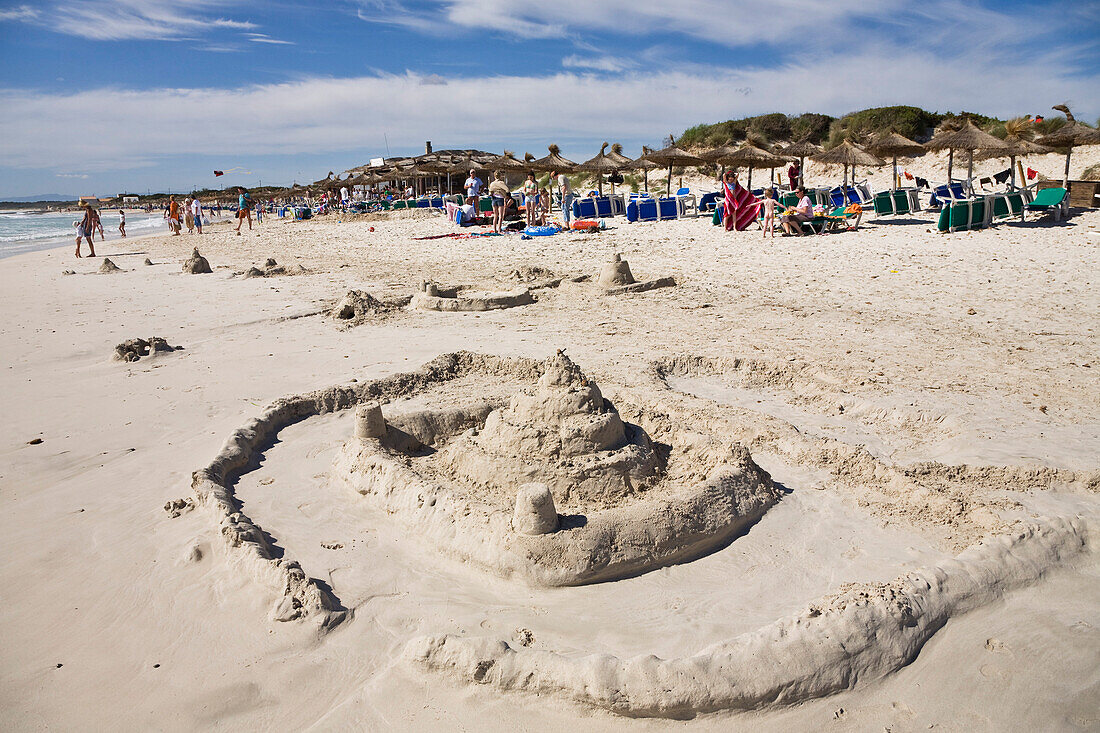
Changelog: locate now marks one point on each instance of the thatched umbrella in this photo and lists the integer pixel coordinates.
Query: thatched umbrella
(616, 155)
(670, 157)
(506, 163)
(847, 154)
(599, 164)
(800, 150)
(892, 144)
(1019, 144)
(754, 157)
(970, 138)
(644, 165)
(1069, 136)
(554, 161)
(719, 156)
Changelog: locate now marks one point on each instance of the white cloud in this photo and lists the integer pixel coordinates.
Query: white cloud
(263, 38)
(123, 20)
(23, 12)
(71, 175)
(596, 63)
(324, 115)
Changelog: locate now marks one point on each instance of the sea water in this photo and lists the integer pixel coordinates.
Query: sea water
(26, 231)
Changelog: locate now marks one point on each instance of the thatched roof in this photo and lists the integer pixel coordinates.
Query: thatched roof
(1017, 148)
(801, 149)
(616, 155)
(506, 162)
(554, 161)
(894, 144)
(754, 157)
(600, 163)
(1071, 135)
(718, 155)
(644, 162)
(847, 153)
(968, 137)
(672, 155)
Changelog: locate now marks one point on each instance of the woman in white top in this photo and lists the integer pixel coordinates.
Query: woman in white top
(804, 211)
(530, 197)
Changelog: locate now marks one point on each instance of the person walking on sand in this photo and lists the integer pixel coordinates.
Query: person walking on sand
(85, 228)
(566, 190)
(196, 214)
(173, 216)
(473, 190)
(498, 191)
(122, 222)
(188, 216)
(98, 223)
(244, 209)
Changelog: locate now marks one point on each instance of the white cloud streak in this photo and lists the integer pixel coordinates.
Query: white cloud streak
(23, 12)
(126, 20)
(333, 115)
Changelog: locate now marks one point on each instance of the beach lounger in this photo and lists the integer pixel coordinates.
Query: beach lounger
(618, 205)
(668, 207)
(687, 202)
(644, 209)
(436, 203)
(1051, 201)
(603, 206)
(584, 208)
(1007, 205)
(961, 216)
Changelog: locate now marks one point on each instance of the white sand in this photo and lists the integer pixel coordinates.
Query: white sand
(101, 580)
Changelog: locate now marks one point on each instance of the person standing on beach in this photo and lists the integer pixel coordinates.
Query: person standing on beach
(794, 175)
(173, 216)
(244, 209)
(85, 228)
(473, 189)
(566, 191)
(196, 214)
(98, 223)
(188, 216)
(122, 222)
(498, 191)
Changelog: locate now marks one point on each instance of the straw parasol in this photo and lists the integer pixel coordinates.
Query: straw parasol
(891, 144)
(670, 156)
(802, 149)
(645, 165)
(554, 161)
(754, 157)
(969, 138)
(1019, 144)
(616, 155)
(1069, 136)
(599, 164)
(506, 163)
(848, 154)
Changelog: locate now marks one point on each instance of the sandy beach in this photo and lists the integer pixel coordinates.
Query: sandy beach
(911, 394)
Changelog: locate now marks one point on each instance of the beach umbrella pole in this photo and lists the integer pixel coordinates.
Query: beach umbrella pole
(1065, 180)
(668, 188)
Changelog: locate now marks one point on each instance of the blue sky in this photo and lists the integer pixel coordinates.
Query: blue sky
(101, 96)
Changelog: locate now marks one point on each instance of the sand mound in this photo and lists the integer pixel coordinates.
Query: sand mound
(108, 267)
(134, 349)
(616, 278)
(860, 634)
(272, 269)
(484, 482)
(197, 264)
(148, 261)
(433, 297)
(358, 306)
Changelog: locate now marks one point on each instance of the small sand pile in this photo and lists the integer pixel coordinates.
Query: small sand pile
(461, 299)
(197, 265)
(109, 268)
(148, 261)
(134, 349)
(356, 306)
(616, 278)
(271, 268)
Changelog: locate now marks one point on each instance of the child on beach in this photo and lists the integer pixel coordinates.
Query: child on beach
(122, 222)
(769, 212)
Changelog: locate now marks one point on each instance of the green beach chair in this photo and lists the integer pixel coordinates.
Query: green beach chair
(901, 202)
(884, 203)
(399, 204)
(1051, 200)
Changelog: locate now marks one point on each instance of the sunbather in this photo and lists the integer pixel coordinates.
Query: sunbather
(804, 211)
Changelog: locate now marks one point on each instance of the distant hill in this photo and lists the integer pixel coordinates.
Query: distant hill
(44, 197)
(913, 122)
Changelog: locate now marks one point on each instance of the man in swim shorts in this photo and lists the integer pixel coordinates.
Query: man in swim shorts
(473, 189)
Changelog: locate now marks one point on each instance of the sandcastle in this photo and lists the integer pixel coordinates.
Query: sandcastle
(486, 482)
(196, 264)
(431, 296)
(272, 268)
(109, 268)
(616, 278)
(135, 349)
